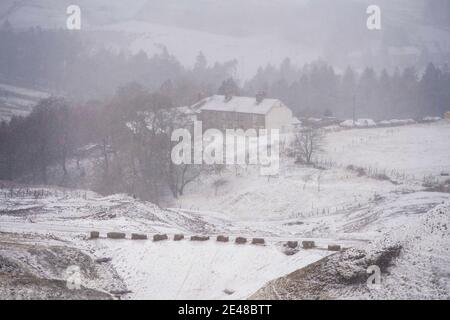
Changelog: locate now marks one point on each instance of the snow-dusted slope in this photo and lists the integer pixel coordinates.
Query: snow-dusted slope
(368, 211)
(414, 259)
(259, 34)
(187, 270)
(414, 151)
(15, 101)
(394, 160)
(185, 44)
(151, 270)
(52, 13)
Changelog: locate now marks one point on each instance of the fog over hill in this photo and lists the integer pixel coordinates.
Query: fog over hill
(260, 32)
(224, 149)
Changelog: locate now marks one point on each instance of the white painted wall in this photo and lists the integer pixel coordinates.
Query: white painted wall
(280, 117)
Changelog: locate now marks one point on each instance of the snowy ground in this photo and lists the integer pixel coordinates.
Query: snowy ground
(413, 257)
(413, 152)
(335, 205)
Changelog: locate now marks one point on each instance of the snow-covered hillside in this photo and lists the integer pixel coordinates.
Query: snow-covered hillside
(409, 150)
(185, 30)
(15, 101)
(414, 258)
(251, 52)
(52, 13)
(162, 270)
(363, 164)
(331, 205)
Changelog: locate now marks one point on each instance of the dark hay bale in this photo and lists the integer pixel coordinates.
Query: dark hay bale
(160, 237)
(120, 292)
(241, 240)
(102, 260)
(94, 235)
(292, 244)
(136, 236)
(290, 251)
(199, 238)
(228, 291)
(223, 239)
(334, 247)
(178, 237)
(116, 235)
(258, 241)
(308, 244)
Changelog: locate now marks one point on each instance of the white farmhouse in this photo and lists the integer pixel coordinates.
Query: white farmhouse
(231, 112)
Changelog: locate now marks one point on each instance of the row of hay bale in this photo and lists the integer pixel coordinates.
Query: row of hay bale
(177, 237)
(311, 245)
(293, 245)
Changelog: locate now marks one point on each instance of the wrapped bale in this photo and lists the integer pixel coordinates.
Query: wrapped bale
(160, 237)
(223, 239)
(116, 235)
(94, 235)
(136, 236)
(178, 237)
(199, 238)
(258, 241)
(292, 244)
(334, 247)
(308, 244)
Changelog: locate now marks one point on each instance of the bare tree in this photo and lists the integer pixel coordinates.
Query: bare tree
(308, 141)
(181, 176)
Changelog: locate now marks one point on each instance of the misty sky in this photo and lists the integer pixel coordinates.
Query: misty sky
(255, 32)
(221, 16)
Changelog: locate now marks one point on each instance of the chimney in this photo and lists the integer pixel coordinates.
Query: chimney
(228, 97)
(260, 96)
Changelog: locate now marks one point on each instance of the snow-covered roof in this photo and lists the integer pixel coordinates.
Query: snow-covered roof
(236, 104)
(360, 123)
(296, 121)
(432, 119)
(186, 110)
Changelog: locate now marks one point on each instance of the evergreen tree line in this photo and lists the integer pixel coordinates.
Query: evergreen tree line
(317, 90)
(75, 65)
(69, 64)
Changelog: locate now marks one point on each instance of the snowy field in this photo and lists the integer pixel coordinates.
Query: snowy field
(407, 156)
(163, 270)
(209, 270)
(415, 151)
(333, 205)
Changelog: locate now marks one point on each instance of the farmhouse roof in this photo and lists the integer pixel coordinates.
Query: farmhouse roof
(236, 104)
